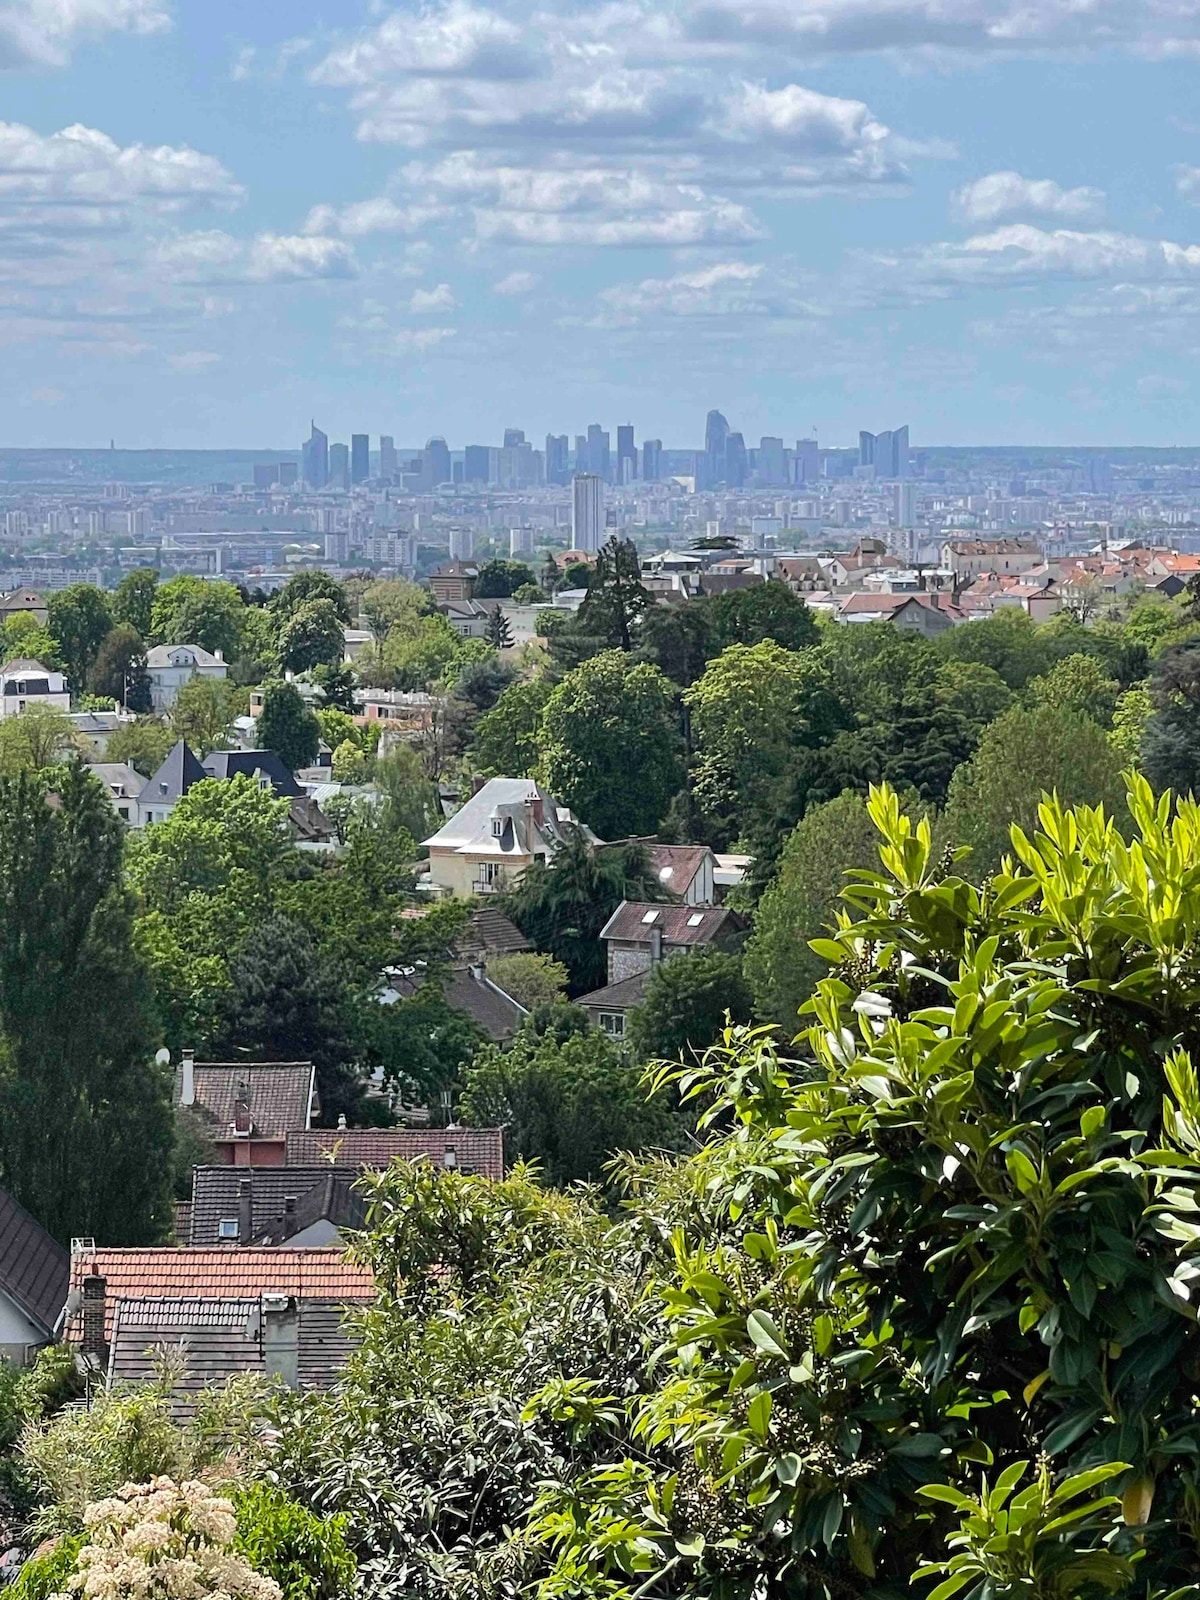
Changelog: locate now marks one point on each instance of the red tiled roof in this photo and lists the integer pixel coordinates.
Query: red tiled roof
(478, 1150)
(675, 865)
(200, 1273)
(280, 1093)
(679, 925)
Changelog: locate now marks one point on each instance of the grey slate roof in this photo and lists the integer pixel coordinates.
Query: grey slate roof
(281, 1093)
(235, 763)
(468, 989)
(318, 1191)
(479, 1150)
(179, 771)
(491, 933)
(680, 925)
(221, 1338)
(617, 996)
(35, 1270)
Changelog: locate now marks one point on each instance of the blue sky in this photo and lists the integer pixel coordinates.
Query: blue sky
(980, 217)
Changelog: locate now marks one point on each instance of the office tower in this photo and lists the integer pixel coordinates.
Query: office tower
(587, 511)
(626, 455)
(337, 547)
(315, 457)
(339, 466)
(652, 460)
(772, 463)
(866, 449)
(475, 463)
(462, 544)
(887, 452)
(581, 452)
(598, 452)
(716, 432)
(266, 475)
(558, 466)
(1098, 475)
(387, 456)
(906, 505)
(736, 465)
(435, 464)
(808, 461)
(360, 458)
(520, 541)
(287, 474)
(513, 437)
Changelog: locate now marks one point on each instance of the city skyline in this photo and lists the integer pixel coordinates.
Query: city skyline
(220, 219)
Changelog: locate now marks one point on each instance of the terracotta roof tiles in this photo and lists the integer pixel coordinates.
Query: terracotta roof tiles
(479, 1150)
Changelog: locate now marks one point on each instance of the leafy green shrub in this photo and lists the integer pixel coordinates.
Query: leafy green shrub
(305, 1554)
(46, 1572)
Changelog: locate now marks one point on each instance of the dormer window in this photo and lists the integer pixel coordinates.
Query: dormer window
(497, 827)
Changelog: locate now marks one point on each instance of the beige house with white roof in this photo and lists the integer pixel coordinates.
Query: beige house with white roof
(488, 843)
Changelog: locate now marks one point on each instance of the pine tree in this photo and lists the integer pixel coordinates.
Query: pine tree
(499, 630)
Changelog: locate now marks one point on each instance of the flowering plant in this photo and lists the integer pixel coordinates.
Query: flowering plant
(163, 1540)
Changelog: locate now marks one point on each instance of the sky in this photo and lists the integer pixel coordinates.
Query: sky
(219, 219)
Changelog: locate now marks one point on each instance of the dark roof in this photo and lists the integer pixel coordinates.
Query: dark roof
(164, 1273)
(34, 1268)
(221, 1338)
(317, 1191)
(179, 771)
(479, 1150)
(680, 925)
(617, 996)
(468, 989)
(675, 865)
(235, 763)
(281, 1093)
(491, 933)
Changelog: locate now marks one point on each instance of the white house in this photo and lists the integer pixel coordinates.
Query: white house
(170, 666)
(25, 683)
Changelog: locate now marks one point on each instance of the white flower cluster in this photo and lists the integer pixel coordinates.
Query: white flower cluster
(164, 1540)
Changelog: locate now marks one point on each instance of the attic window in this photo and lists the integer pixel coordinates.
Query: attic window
(650, 916)
(497, 827)
(227, 1228)
(695, 919)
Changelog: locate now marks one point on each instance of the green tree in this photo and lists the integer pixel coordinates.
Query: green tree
(23, 636)
(203, 611)
(85, 1111)
(202, 713)
(498, 580)
(678, 640)
(133, 599)
(801, 903)
(408, 802)
(505, 741)
(686, 1005)
(529, 595)
(499, 631)
(311, 635)
(977, 692)
(349, 763)
(418, 652)
(616, 598)
(143, 744)
(1080, 684)
(285, 1003)
(79, 617)
(120, 669)
(287, 726)
(609, 745)
(337, 684)
(1021, 757)
(1133, 711)
(39, 737)
(305, 587)
(763, 611)
(1009, 641)
(568, 1104)
(1171, 737)
(561, 905)
(531, 978)
(392, 601)
(337, 726)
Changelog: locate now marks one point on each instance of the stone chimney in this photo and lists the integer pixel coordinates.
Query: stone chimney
(187, 1094)
(242, 1124)
(245, 1211)
(93, 1344)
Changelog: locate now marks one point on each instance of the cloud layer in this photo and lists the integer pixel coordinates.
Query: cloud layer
(44, 33)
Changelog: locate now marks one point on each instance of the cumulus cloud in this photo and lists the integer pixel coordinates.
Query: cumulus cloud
(724, 288)
(363, 217)
(1020, 251)
(216, 257)
(44, 32)
(421, 338)
(424, 302)
(1001, 195)
(514, 283)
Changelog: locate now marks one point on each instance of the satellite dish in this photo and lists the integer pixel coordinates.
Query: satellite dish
(163, 1057)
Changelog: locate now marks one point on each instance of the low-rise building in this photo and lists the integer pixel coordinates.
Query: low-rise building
(247, 1108)
(170, 666)
(501, 830)
(34, 1278)
(639, 936)
(25, 683)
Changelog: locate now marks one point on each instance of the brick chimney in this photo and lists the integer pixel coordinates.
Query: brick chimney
(187, 1094)
(93, 1344)
(655, 947)
(245, 1211)
(241, 1110)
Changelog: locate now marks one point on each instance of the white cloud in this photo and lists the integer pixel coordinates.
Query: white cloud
(427, 301)
(1001, 195)
(724, 288)
(191, 361)
(44, 32)
(453, 40)
(421, 338)
(216, 257)
(363, 217)
(514, 283)
(1020, 252)
(81, 166)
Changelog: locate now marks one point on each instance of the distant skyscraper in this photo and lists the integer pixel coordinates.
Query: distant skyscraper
(387, 456)
(513, 437)
(808, 461)
(520, 541)
(360, 458)
(906, 505)
(887, 452)
(581, 452)
(772, 464)
(337, 547)
(587, 511)
(339, 466)
(866, 449)
(476, 459)
(287, 474)
(652, 460)
(558, 466)
(716, 432)
(626, 455)
(315, 454)
(266, 474)
(462, 544)
(435, 464)
(598, 452)
(735, 461)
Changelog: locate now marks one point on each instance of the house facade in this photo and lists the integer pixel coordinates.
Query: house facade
(639, 936)
(170, 666)
(25, 683)
(501, 830)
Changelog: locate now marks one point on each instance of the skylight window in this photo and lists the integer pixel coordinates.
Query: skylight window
(650, 916)
(695, 919)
